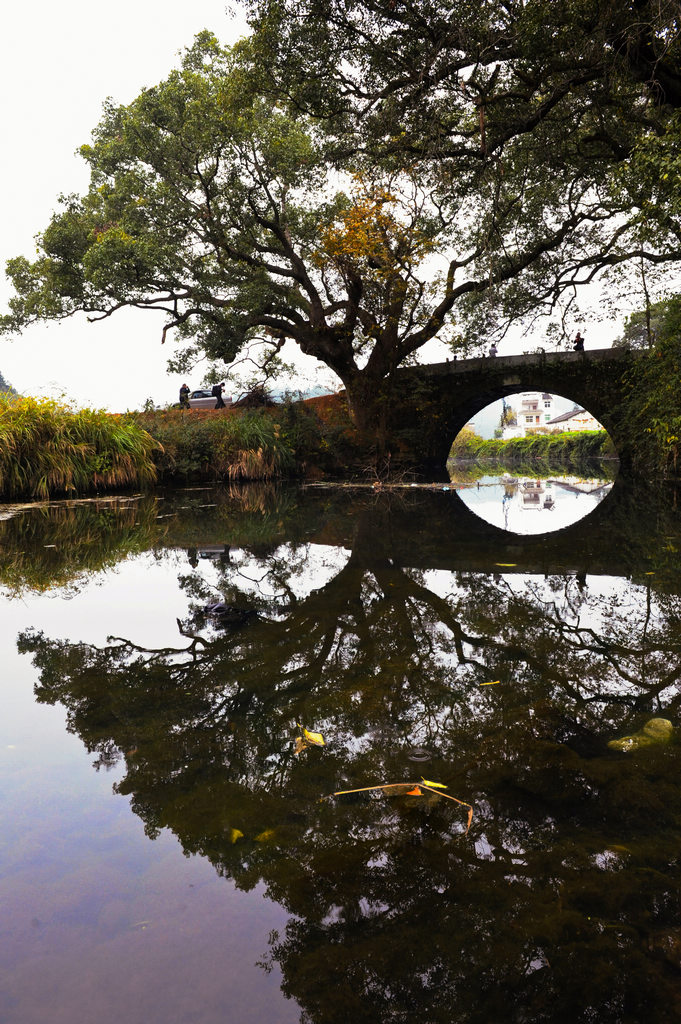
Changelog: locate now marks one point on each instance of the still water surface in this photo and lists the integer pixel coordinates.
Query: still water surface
(165, 852)
(527, 504)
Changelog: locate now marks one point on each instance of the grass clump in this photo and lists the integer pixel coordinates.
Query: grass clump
(49, 449)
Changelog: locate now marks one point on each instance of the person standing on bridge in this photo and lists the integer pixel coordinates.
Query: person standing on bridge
(579, 343)
(493, 349)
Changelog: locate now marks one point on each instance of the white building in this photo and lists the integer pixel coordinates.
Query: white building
(532, 409)
(576, 419)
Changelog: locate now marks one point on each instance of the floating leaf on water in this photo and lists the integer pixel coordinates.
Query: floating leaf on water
(299, 745)
(494, 682)
(313, 737)
(434, 785)
(396, 788)
(265, 836)
(234, 834)
(400, 788)
(506, 565)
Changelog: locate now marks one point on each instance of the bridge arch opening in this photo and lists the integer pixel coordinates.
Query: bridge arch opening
(532, 462)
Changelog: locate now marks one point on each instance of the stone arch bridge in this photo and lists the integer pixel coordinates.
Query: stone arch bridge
(430, 404)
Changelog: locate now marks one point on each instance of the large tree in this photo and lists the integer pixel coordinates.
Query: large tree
(466, 164)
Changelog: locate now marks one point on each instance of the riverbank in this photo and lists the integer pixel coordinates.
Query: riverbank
(49, 449)
(568, 448)
(308, 439)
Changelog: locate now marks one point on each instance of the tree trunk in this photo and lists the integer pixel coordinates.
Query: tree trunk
(368, 404)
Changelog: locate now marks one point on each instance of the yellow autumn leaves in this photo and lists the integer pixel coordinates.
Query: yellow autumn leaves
(377, 229)
(307, 739)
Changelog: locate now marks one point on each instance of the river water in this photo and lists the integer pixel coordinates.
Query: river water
(172, 849)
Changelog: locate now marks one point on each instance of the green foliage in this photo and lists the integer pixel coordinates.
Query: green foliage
(440, 179)
(568, 448)
(220, 206)
(552, 125)
(651, 409)
(650, 412)
(5, 387)
(238, 446)
(294, 438)
(47, 448)
(664, 318)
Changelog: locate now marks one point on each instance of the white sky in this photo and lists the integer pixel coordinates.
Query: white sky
(58, 63)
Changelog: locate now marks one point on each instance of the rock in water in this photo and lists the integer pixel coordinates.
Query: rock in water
(653, 733)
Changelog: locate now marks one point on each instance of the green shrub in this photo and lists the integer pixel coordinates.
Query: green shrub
(250, 445)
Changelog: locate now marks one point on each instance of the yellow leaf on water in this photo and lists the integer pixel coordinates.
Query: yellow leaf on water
(313, 737)
(434, 785)
(506, 565)
(235, 834)
(494, 682)
(299, 745)
(265, 836)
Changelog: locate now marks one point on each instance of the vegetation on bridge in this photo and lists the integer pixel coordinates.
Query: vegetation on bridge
(650, 412)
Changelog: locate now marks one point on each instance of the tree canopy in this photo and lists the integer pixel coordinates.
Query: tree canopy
(557, 122)
(373, 175)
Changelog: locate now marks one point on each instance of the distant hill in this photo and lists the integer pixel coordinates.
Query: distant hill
(4, 386)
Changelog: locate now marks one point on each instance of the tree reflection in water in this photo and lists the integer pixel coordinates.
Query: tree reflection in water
(561, 903)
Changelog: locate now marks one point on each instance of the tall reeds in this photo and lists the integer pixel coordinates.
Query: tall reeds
(48, 449)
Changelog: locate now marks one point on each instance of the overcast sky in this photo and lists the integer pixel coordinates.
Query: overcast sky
(59, 62)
